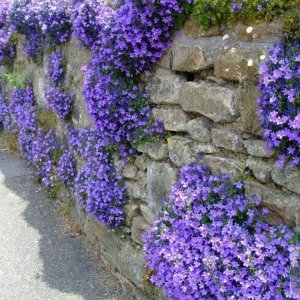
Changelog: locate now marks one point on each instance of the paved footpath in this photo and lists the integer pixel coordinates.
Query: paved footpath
(37, 259)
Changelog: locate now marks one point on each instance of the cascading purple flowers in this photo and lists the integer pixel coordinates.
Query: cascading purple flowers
(56, 97)
(66, 169)
(60, 101)
(7, 42)
(98, 187)
(280, 102)
(45, 24)
(211, 242)
(90, 20)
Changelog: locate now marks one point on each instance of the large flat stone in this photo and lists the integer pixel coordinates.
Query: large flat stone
(227, 139)
(160, 178)
(180, 151)
(165, 87)
(174, 118)
(287, 177)
(216, 103)
(191, 55)
(261, 170)
(283, 206)
(224, 165)
(243, 62)
(157, 151)
(257, 148)
(199, 129)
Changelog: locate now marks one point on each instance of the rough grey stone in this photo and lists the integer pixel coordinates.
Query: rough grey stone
(257, 148)
(160, 177)
(147, 213)
(216, 103)
(174, 118)
(157, 151)
(227, 139)
(130, 171)
(199, 129)
(261, 170)
(192, 55)
(283, 206)
(139, 225)
(204, 148)
(249, 121)
(131, 210)
(135, 190)
(287, 177)
(142, 178)
(165, 88)
(243, 62)
(224, 165)
(141, 162)
(130, 263)
(180, 151)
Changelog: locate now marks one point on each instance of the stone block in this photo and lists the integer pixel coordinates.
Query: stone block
(165, 88)
(191, 28)
(199, 148)
(192, 55)
(180, 151)
(130, 171)
(131, 210)
(147, 213)
(199, 129)
(141, 162)
(135, 190)
(224, 165)
(243, 62)
(227, 139)
(157, 151)
(287, 177)
(261, 170)
(160, 178)
(283, 206)
(216, 103)
(139, 225)
(174, 118)
(257, 148)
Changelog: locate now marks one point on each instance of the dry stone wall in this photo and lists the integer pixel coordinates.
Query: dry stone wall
(204, 89)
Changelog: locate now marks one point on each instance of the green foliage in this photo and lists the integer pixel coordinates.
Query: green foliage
(66, 206)
(53, 190)
(208, 13)
(15, 79)
(46, 119)
(11, 140)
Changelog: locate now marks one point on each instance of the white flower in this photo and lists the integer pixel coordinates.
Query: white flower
(233, 50)
(225, 37)
(249, 29)
(262, 57)
(250, 62)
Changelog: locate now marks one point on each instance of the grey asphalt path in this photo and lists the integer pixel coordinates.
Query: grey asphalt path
(37, 260)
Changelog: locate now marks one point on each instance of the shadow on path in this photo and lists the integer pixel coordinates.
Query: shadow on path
(44, 263)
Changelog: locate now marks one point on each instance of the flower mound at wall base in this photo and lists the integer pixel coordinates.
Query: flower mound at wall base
(211, 242)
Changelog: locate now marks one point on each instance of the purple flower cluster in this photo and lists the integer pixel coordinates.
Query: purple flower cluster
(59, 100)
(7, 42)
(90, 20)
(5, 117)
(211, 242)
(45, 23)
(55, 70)
(98, 187)
(279, 104)
(66, 169)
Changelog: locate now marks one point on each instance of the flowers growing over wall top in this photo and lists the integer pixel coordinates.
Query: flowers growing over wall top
(280, 102)
(7, 39)
(212, 242)
(45, 24)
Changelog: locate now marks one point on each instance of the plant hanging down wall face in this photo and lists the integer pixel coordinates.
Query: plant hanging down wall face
(280, 102)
